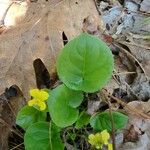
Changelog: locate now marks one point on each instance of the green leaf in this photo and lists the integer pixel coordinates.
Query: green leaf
(37, 137)
(62, 105)
(55, 140)
(43, 136)
(102, 121)
(83, 120)
(85, 63)
(29, 115)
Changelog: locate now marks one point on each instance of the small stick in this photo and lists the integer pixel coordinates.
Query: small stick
(113, 125)
(16, 146)
(134, 44)
(124, 50)
(137, 112)
(124, 73)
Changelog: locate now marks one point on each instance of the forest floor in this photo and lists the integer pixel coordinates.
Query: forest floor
(124, 25)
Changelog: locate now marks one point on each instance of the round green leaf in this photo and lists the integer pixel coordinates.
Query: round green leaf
(62, 105)
(29, 115)
(102, 121)
(37, 137)
(85, 63)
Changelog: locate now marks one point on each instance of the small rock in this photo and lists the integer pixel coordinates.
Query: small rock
(145, 6)
(93, 106)
(131, 6)
(112, 15)
(103, 6)
(119, 139)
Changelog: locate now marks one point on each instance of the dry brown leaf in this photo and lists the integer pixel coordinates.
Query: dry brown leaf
(145, 5)
(10, 102)
(140, 124)
(39, 35)
(131, 135)
(137, 130)
(141, 54)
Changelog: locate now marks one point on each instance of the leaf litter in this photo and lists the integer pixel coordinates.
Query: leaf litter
(124, 27)
(128, 25)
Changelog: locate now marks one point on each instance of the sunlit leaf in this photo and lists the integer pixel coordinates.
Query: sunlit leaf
(29, 115)
(85, 63)
(102, 121)
(62, 105)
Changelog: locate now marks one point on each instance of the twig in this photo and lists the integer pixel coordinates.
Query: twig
(137, 112)
(16, 146)
(112, 124)
(116, 77)
(124, 50)
(134, 44)
(124, 73)
(116, 80)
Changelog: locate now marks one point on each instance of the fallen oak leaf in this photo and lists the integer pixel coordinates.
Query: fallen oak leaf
(39, 35)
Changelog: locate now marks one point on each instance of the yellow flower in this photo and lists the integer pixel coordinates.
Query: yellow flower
(100, 139)
(38, 98)
(105, 137)
(94, 140)
(110, 146)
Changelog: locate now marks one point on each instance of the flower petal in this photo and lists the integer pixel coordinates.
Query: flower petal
(34, 92)
(110, 146)
(91, 139)
(32, 102)
(91, 136)
(43, 95)
(105, 137)
(98, 136)
(99, 146)
(42, 105)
